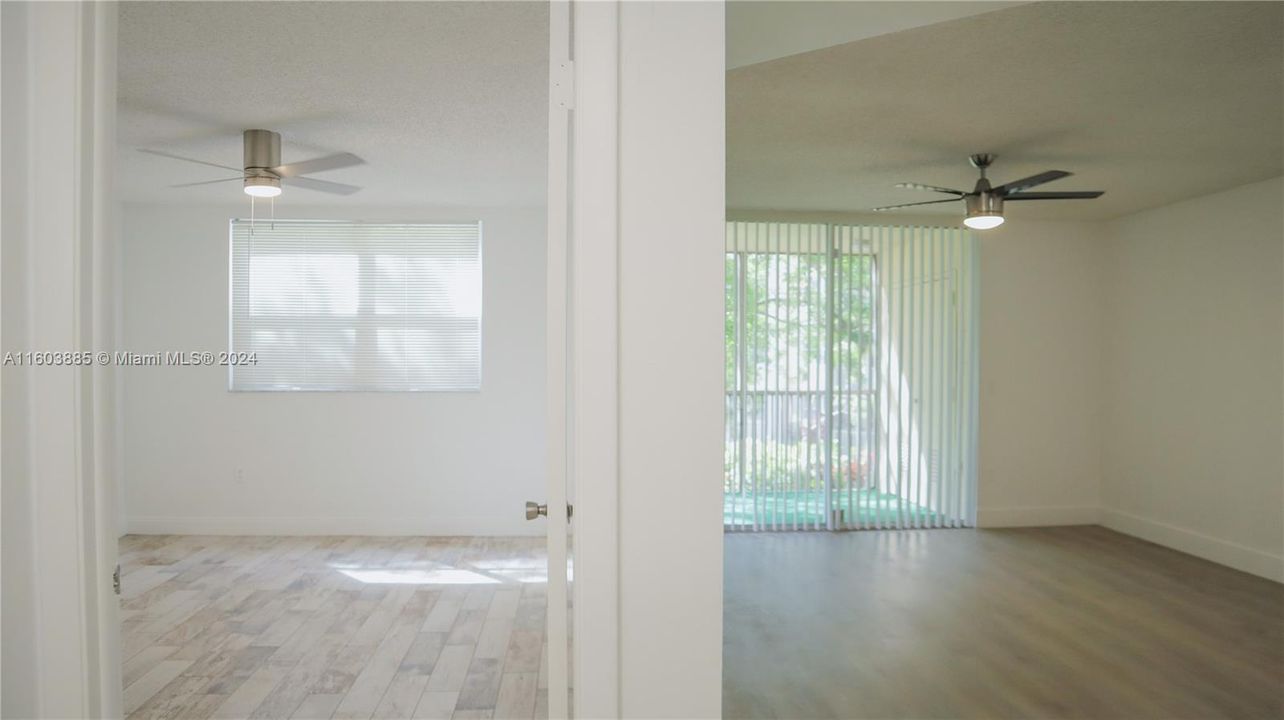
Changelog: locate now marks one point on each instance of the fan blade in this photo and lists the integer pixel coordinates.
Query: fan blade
(905, 205)
(929, 188)
(207, 182)
(190, 160)
(1070, 195)
(320, 185)
(1023, 183)
(329, 162)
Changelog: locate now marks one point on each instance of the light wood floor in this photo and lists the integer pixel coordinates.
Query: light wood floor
(1033, 623)
(261, 627)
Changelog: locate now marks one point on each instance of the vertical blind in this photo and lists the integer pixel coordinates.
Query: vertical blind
(851, 376)
(351, 306)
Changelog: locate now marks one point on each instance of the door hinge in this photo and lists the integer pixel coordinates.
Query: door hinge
(563, 79)
(115, 579)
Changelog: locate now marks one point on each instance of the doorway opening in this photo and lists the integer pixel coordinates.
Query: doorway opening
(321, 525)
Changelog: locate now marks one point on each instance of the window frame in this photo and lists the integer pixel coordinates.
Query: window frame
(362, 290)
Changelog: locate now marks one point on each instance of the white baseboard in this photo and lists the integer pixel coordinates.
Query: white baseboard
(1240, 557)
(1040, 516)
(440, 526)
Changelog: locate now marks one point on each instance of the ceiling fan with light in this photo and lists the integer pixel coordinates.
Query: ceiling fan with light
(985, 203)
(263, 174)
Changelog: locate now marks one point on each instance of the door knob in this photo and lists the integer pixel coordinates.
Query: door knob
(534, 510)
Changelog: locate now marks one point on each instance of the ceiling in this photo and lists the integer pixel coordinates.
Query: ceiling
(445, 101)
(762, 31)
(1152, 102)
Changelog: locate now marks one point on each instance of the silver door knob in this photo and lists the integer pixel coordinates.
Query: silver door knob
(534, 510)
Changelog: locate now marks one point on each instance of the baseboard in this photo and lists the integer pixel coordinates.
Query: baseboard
(440, 526)
(1040, 516)
(1227, 553)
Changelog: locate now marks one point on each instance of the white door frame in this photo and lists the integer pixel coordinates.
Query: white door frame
(582, 355)
(668, 59)
(68, 97)
(71, 210)
(561, 77)
(595, 358)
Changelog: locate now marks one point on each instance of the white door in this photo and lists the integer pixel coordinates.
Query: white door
(559, 107)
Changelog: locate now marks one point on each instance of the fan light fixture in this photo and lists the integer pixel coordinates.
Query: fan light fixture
(264, 187)
(262, 173)
(983, 222)
(984, 205)
(984, 208)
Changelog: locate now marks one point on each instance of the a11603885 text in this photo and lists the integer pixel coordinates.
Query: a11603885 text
(124, 358)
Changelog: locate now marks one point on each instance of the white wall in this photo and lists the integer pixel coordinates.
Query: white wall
(1194, 388)
(671, 358)
(1041, 371)
(16, 502)
(356, 463)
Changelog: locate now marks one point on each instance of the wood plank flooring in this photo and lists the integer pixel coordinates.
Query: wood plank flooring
(1076, 622)
(342, 627)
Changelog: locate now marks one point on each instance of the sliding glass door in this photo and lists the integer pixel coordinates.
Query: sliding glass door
(850, 376)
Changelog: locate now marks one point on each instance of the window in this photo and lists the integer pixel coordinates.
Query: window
(351, 306)
(851, 377)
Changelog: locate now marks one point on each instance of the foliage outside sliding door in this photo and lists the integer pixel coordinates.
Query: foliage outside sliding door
(850, 376)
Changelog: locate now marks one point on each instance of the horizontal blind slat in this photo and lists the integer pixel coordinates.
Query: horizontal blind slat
(352, 306)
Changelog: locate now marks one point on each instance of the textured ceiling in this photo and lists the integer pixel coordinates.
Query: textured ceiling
(1152, 102)
(445, 101)
(762, 31)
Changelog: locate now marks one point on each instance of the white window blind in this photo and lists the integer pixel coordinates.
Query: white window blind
(851, 377)
(352, 306)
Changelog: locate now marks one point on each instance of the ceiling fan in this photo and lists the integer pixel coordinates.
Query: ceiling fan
(264, 174)
(985, 204)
